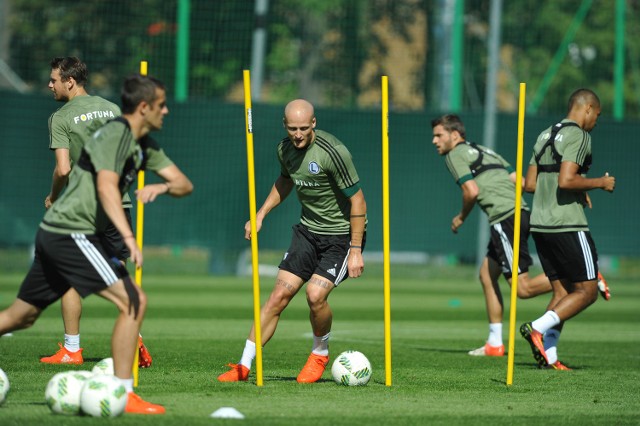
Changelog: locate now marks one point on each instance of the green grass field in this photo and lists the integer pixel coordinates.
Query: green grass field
(197, 324)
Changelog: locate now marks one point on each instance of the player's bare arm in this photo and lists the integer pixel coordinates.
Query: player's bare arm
(470, 193)
(111, 200)
(570, 179)
(530, 179)
(512, 178)
(176, 184)
(60, 176)
(355, 263)
(279, 191)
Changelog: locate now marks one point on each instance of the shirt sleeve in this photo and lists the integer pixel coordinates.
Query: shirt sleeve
(104, 149)
(156, 157)
(576, 147)
(342, 169)
(58, 133)
(283, 170)
(458, 163)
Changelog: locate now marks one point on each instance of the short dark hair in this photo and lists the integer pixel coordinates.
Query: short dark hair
(70, 66)
(450, 122)
(138, 88)
(583, 96)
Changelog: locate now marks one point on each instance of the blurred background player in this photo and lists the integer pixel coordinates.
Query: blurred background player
(557, 176)
(69, 244)
(70, 127)
(487, 179)
(326, 246)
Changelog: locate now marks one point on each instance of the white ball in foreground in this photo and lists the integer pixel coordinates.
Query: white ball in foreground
(84, 373)
(104, 366)
(351, 368)
(4, 386)
(63, 392)
(103, 396)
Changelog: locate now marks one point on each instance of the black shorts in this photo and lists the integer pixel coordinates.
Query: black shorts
(500, 246)
(568, 256)
(113, 242)
(324, 255)
(63, 261)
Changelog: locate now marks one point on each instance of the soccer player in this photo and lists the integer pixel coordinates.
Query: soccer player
(557, 176)
(70, 251)
(326, 246)
(70, 127)
(486, 179)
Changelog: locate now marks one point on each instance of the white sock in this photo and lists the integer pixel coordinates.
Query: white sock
(551, 338)
(72, 342)
(128, 384)
(545, 322)
(248, 354)
(495, 334)
(321, 345)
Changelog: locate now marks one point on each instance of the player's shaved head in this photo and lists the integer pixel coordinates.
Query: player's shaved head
(299, 121)
(583, 97)
(299, 109)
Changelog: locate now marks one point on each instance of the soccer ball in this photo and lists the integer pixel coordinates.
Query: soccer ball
(63, 392)
(351, 368)
(104, 366)
(103, 396)
(84, 373)
(4, 386)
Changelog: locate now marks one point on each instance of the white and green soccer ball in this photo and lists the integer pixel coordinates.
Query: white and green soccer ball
(4, 386)
(104, 366)
(103, 396)
(63, 392)
(351, 368)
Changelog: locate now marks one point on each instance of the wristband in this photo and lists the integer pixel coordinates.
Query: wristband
(360, 247)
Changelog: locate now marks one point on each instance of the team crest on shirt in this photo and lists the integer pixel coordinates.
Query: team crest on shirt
(314, 168)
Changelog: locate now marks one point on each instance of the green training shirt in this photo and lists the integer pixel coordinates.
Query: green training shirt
(72, 125)
(112, 148)
(496, 191)
(324, 178)
(555, 209)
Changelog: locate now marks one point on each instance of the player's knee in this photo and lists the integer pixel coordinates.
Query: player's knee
(28, 322)
(524, 292)
(592, 294)
(137, 299)
(13, 318)
(589, 293)
(20, 323)
(277, 302)
(142, 301)
(316, 299)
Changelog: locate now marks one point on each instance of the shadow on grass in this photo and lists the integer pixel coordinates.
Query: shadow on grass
(292, 379)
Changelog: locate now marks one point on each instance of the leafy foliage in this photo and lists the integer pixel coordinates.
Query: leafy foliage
(333, 51)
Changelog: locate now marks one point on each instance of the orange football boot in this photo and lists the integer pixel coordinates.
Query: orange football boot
(313, 369)
(137, 405)
(63, 356)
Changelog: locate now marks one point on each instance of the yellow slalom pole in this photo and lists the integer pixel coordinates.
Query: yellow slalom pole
(385, 229)
(516, 236)
(139, 235)
(254, 229)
